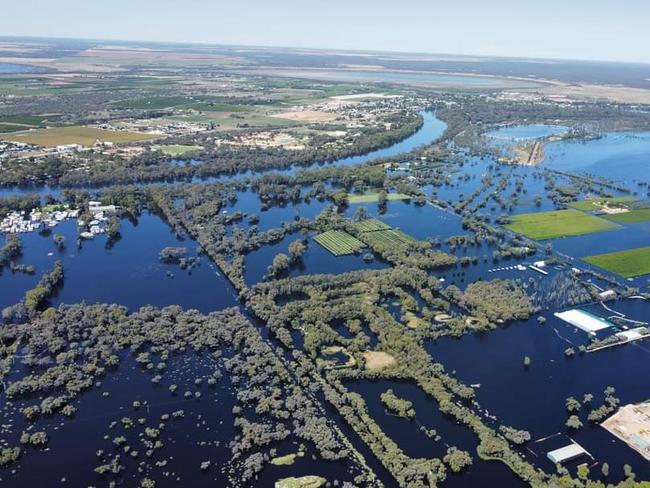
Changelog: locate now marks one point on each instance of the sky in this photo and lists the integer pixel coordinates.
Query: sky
(609, 30)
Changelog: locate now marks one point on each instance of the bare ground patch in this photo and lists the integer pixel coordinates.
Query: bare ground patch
(376, 360)
(307, 116)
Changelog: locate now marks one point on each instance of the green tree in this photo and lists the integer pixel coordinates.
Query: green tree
(573, 422)
(297, 249)
(457, 459)
(280, 263)
(605, 469)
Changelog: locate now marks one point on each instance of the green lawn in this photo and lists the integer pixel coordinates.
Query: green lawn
(630, 263)
(631, 217)
(374, 197)
(563, 223)
(339, 243)
(597, 203)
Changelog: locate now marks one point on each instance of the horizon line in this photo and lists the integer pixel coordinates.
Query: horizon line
(342, 50)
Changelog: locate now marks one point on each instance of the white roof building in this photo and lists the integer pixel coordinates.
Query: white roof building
(566, 453)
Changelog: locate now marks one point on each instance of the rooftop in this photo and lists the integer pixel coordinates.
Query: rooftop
(566, 453)
(583, 320)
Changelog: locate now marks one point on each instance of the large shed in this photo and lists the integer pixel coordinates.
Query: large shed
(566, 453)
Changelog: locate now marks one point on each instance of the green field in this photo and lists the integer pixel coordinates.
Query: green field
(5, 128)
(382, 237)
(562, 223)
(178, 149)
(31, 120)
(216, 107)
(86, 136)
(374, 197)
(597, 203)
(24, 87)
(631, 217)
(371, 225)
(339, 243)
(15, 123)
(630, 263)
(383, 240)
(155, 103)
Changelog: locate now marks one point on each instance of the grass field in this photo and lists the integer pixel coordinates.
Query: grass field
(562, 223)
(374, 197)
(31, 120)
(371, 225)
(178, 149)
(631, 217)
(5, 128)
(630, 263)
(339, 243)
(15, 123)
(86, 136)
(597, 203)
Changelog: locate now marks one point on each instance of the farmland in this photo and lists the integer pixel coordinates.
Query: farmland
(26, 120)
(374, 197)
(216, 107)
(556, 224)
(155, 103)
(382, 240)
(86, 136)
(4, 128)
(598, 203)
(14, 123)
(207, 104)
(631, 217)
(382, 237)
(630, 263)
(339, 243)
(371, 225)
(227, 121)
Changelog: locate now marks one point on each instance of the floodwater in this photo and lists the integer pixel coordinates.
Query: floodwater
(128, 272)
(524, 132)
(541, 389)
(624, 156)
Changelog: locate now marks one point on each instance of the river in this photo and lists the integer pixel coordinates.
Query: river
(432, 128)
